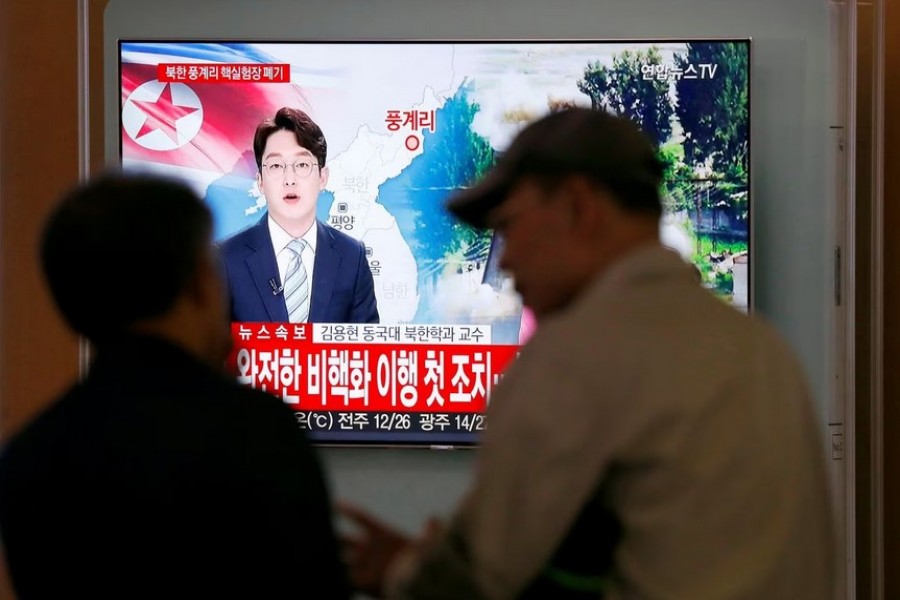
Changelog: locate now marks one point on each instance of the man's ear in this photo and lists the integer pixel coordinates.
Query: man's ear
(587, 205)
(203, 285)
(323, 178)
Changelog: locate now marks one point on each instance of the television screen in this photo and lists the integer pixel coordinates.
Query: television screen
(410, 323)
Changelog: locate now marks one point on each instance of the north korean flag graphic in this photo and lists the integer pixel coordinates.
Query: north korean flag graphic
(204, 126)
(162, 116)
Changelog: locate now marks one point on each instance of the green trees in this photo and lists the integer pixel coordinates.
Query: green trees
(696, 108)
(710, 100)
(697, 111)
(622, 89)
(714, 112)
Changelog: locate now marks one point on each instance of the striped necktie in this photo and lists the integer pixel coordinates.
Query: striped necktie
(296, 284)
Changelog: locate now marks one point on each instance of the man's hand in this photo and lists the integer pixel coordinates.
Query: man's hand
(369, 552)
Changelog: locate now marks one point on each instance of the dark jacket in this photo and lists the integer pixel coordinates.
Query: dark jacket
(343, 289)
(157, 477)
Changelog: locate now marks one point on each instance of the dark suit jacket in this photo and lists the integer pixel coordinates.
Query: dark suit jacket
(159, 478)
(343, 290)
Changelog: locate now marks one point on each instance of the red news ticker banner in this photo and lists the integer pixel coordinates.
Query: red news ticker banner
(370, 367)
(224, 73)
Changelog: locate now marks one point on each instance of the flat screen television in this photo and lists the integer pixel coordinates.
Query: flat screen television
(406, 124)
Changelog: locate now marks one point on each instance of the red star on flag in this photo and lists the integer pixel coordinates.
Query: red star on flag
(163, 114)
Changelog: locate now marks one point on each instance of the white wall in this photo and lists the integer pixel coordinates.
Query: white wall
(792, 93)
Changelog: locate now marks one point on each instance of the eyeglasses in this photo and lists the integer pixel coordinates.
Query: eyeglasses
(302, 168)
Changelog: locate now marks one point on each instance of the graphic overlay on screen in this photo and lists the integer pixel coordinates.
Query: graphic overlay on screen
(406, 125)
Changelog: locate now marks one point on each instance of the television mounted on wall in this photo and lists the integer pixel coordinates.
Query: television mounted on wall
(406, 124)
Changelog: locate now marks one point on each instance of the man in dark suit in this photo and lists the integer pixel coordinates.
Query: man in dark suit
(289, 266)
(157, 476)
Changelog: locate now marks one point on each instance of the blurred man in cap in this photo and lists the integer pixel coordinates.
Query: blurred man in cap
(651, 441)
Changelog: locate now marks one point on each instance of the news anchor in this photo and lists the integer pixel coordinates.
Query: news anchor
(290, 267)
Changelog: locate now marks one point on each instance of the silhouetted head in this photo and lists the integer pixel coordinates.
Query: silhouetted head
(125, 252)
